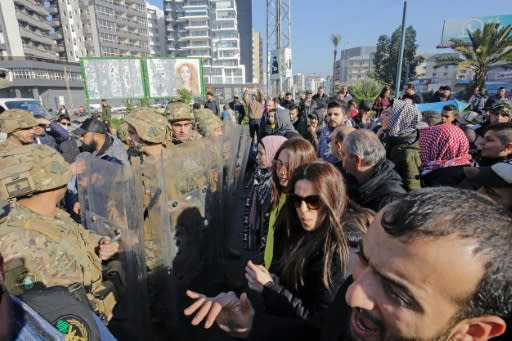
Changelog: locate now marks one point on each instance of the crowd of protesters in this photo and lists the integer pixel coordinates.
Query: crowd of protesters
(366, 220)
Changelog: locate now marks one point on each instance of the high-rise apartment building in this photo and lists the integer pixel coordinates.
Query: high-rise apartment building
(257, 59)
(354, 64)
(115, 27)
(156, 31)
(25, 30)
(244, 16)
(206, 29)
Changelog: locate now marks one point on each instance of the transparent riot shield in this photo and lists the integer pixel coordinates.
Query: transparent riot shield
(244, 148)
(160, 245)
(232, 135)
(194, 191)
(111, 205)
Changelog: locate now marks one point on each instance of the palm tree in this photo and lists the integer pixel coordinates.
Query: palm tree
(336, 40)
(490, 45)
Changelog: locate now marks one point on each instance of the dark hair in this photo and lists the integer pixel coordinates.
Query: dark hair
(328, 237)
(501, 88)
(411, 86)
(293, 107)
(337, 104)
(63, 117)
(503, 131)
(383, 91)
(431, 213)
(196, 106)
(288, 94)
(209, 93)
(449, 107)
(300, 151)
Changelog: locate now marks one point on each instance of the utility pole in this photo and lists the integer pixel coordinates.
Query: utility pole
(278, 38)
(401, 56)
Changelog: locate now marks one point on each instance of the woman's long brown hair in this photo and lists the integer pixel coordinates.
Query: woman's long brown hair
(328, 237)
(300, 151)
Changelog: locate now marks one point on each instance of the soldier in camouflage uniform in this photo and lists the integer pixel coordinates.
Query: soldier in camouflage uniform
(42, 245)
(181, 119)
(208, 124)
(16, 128)
(147, 132)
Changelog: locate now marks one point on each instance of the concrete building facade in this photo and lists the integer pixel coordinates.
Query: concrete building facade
(206, 29)
(25, 30)
(244, 18)
(354, 65)
(257, 59)
(156, 31)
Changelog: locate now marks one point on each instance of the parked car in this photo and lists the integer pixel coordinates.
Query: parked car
(28, 104)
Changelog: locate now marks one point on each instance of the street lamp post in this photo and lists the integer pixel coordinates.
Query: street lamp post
(401, 56)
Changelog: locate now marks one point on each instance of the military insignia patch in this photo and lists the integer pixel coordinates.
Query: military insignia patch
(18, 187)
(73, 327)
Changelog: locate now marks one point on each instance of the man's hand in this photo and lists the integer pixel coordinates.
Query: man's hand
(107, 248)
(257, 276)
(232, 315)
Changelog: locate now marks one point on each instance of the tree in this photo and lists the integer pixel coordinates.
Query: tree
(490, 45)
(336, 40)
(386, 57)
(366, 90)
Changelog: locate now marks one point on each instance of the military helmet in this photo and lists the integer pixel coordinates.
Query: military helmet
(178, 111)
(150, 126)
(122, 132)
(207, 122)
(14, 119)
(31, 169)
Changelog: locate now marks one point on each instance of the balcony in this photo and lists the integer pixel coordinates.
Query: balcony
(31, 6)
(32, 51)
(34, 21)
(36, 37)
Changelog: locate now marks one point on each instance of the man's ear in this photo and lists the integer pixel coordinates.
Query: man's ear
(359, 162)
(480, 328)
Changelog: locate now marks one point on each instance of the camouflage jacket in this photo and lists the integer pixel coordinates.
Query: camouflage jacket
(43, 251)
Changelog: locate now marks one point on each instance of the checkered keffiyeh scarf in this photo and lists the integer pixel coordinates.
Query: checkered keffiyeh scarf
(404, 118)
(443, 145)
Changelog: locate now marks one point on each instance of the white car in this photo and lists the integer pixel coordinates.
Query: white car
(28, 104)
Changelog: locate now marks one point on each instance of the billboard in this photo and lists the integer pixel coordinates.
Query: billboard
(457, 28)
(112, 78)
(274, 64)
(287, 62)
(167, 75)
(124, 78)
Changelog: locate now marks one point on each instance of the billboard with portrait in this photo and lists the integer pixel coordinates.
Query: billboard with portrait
(167, 75)
(125, 78)
(112, 78)
(458, 28)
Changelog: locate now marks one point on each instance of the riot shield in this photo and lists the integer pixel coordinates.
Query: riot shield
(194, 190)
(244, 148)
(111, 205)
(232, 134)
(160, 245)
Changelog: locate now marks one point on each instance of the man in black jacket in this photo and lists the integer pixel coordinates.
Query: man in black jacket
(429, 268)
(212, 104)
(372, 181)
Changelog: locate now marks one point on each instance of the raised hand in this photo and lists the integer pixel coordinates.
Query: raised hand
(232, 314)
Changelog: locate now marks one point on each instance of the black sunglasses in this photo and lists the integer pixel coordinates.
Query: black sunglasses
(313, 202)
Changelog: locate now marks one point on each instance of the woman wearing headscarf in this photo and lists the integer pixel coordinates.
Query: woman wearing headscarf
(444, 150)
(261, 197)
(400, 139)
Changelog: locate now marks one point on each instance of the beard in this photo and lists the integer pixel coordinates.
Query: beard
(89, 148)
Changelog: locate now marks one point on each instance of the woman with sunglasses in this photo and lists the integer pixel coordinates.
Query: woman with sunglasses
(315, 256)
(292, 153)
